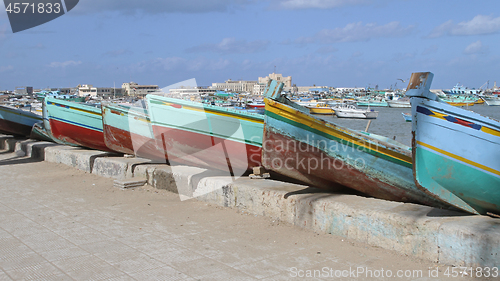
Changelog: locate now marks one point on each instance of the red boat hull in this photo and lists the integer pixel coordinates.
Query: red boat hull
(14, 128)
(207, 151)
(78, 135)
(328, 172)
(123, 141)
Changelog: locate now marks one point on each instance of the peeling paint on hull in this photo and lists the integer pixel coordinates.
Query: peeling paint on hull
(207, 151)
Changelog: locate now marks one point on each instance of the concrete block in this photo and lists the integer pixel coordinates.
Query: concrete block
(79, 158)
(21, 147)
(116, 167)
(182, 180)
(36, 150)
(7, 142)
(472, 241)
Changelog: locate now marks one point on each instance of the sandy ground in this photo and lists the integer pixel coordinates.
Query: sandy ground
(58, 223)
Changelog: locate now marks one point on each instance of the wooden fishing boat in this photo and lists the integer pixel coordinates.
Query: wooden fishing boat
(321, 108)
(17, 121)
(127, 129)
(38, 132)
(456, 152)
(76, 123)
(407, 116)
(372, 103)
(350, 111)
(492, 100)
(319, 153)
(400, 103)
(205, 135)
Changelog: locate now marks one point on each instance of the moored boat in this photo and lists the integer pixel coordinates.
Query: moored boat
(76, 123)
(456, 152)
(492, 100)
(127, 129)
(205, 135)
(401, 103)
(38, 132)
(322, 154)
(350, 111)
(321, 108)
(17, 121)
(407, 116)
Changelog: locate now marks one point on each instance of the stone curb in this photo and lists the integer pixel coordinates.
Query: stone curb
(442, 236)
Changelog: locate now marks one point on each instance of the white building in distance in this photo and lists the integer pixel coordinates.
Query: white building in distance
(235, 86)
(135, 90)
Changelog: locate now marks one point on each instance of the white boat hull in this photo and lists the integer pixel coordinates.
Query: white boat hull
(492, 101)
(399, 104)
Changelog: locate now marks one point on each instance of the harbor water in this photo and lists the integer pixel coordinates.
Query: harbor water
(390, 121)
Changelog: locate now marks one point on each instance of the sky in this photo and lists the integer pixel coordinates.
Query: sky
(337, 43)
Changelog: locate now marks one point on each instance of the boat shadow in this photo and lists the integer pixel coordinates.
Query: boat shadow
(19, 159)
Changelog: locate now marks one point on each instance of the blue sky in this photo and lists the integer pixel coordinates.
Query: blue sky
(339, 43)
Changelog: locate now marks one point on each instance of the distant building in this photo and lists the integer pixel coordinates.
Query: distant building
(24, 90)
(235, 86)
(87, 90)
(278, 77)
(192, 91)
(258, 89)
(136, 90)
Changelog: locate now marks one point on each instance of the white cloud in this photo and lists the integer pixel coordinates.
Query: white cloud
(231, 46)
(64, 64)
(319, 4)
(479, 25)
(354, 32)
(476, 48)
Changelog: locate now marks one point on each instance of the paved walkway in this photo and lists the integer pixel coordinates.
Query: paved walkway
(58, 223)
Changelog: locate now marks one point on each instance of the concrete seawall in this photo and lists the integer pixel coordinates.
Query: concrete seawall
(442, 236)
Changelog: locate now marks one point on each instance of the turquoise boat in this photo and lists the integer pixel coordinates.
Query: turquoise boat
(205, 135)
(304, 147)
(76, 123)
(456, 152)
(127, 129)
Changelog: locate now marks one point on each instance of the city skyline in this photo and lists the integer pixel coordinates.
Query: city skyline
(338, 43)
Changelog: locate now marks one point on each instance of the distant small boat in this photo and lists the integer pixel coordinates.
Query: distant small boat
(407, 116)
(372, 103)
(492, 100)
(321, 108)
(17, 121)
(77, 123)
(461, 90)
(350, 111)
(456, 152)
(256, 105)
(401, 103)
